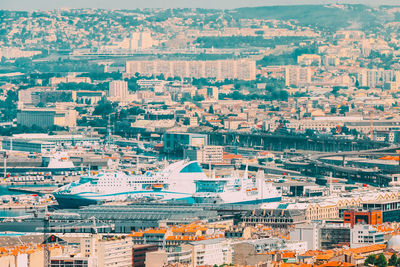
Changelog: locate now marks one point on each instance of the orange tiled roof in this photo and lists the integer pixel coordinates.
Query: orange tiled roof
(155, 231)
(367, 249)
(231, 156)
(289, 255)
(136, 234)
(310, 253)
(337, 264)
(324, 256)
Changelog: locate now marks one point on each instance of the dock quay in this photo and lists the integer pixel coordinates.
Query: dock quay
(35, 190)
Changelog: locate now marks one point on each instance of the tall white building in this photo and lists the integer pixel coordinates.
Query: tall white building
(140, 41)
(308, 233)
(297, 76)
(377, 77)
(118, 90)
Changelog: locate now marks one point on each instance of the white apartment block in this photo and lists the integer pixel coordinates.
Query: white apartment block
(118, 90)
(108, 251)
(297, 76)
(206, 154)
(307, 233)
(243, 69)
(365, 235)
(210, 252)
(377, 77)
(331, 60)
(69, 79)
(140, 41)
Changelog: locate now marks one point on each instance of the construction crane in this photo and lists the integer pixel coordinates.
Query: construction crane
(47, 229)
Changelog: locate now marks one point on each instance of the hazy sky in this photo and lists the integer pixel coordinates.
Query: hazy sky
(132, 4)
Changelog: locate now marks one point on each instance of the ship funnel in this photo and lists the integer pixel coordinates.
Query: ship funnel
(234, 174)
(260, 175)
(246, 172)
(260, 182)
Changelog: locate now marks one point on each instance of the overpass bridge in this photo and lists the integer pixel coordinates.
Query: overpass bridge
(314, 165)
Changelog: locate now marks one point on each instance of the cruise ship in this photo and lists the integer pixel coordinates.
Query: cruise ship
(181, 181)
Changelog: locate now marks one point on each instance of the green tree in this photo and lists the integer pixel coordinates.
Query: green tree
(23, 62)
(103, 108)
(198, 98)
(381, 261)
(393, 260)
(211, 109)
(344, 109)
(370, 260)
(186, 121)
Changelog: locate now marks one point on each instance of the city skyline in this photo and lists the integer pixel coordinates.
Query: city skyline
(124, 4)
(176, 133)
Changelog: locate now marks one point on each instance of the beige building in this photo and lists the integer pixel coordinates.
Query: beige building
(26, 255)
(297, 76)
(206, 154)
(209, 252)
(118, 90)
(69, 79)
(243, 69)
(47, 117)
(378, 77)
(97, 251)
(115, 252)
(309, 59)
(330, 60)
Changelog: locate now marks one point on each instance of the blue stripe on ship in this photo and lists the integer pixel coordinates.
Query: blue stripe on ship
(90, 194)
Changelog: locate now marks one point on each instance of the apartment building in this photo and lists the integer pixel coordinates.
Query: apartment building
(297, 76)
(243, 69)
(115, 251)
(364, 235)
(69, 79)
(205, 154)
(47, 117)
(118, 90)
(373, 78)
(210, 252)
(309, 59)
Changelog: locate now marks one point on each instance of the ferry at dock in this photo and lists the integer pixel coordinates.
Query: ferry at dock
(183, 181)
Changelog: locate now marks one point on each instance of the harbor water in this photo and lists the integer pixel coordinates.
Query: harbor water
(4, 190)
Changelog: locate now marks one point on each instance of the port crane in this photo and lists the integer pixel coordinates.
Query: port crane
(89, 223)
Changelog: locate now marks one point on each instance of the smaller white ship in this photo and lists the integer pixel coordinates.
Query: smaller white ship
(237, 190)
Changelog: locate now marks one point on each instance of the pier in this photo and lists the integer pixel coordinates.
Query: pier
(34, 190)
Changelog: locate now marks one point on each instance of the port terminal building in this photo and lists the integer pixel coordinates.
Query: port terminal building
(39, 143)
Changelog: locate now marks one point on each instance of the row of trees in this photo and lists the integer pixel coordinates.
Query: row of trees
(281, 95)
(287, 58)
(246, 41)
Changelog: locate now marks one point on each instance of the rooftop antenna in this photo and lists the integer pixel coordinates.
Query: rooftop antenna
(46, 251)
(209, 167)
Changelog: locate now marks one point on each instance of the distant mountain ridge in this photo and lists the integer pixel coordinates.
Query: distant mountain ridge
(326, 18)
